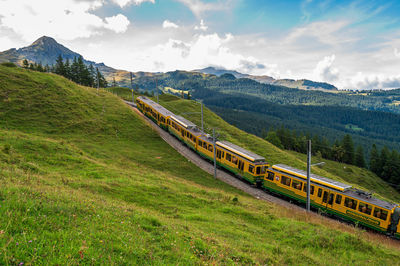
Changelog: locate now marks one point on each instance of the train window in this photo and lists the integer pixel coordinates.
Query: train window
(381, 214)
(311, 191)
(270, 176)
(210, 147)
(364, 208)
(350, 203)
(251, 168)
(331, 196)
(297, 184)
(234, 159)
(205, 145)
(228, 157)
(319, 192)
(285, 180)
(200, 143)
(258, 170)
(338, 199)
(263, 169)
(325, 197)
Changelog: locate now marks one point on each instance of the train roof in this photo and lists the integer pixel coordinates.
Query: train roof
(160, 109)
(314, 178)
(183, 121)
(206, 137)
(367, 197)
(240, 151)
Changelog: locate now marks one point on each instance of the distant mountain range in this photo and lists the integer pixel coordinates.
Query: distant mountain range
(302, 84)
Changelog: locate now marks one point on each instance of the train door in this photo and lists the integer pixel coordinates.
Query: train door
(327, 199)
(219, 154)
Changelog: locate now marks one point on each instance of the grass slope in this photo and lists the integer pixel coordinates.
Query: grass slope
(351, 174)
(83, 180)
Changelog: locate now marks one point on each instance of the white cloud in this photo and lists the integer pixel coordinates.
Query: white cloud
(202, 50)
(202, 26)
(198, 7)
(168, 24)
(66, 19)
(118, 23)
(324, 32)
(124, 3)
(324, 70)
(396, 52)
(371, 82)
(5, 43)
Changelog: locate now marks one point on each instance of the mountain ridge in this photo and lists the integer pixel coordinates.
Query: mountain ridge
(302, 84)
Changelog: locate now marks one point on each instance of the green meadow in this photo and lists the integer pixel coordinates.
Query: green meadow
(84, 180)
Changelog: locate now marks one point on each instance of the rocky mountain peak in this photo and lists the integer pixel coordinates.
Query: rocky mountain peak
(45, 41)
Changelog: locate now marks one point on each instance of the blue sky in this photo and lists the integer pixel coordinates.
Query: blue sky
(351, 44)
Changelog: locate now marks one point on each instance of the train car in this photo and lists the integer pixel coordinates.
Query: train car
(184, 130)
(159, 114)
(241, 162)
(335, 198)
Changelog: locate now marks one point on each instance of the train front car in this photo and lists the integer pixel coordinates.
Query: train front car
(394, 228)
(335, 198)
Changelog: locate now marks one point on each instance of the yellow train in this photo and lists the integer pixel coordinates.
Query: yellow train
(332, 197)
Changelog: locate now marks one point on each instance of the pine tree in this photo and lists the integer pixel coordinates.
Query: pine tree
(59, 67)
(383, 160)
(100, 80)
(81, 71)
(273, 138)
(25, 63)
(39, 67)
(348, 147)
(67, 69)
(374, 160)
(92, 75)
(395, 161)
(338, 152)
(74, 70)
(359, 157)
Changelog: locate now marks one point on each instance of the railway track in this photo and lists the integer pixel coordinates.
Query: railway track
(243, 186)
(209, 168)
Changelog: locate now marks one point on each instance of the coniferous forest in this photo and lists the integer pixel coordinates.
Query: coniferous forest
(384, 163)
(76, 71)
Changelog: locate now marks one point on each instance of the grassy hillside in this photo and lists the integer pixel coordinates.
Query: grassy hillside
(83, 180)
(359, 177)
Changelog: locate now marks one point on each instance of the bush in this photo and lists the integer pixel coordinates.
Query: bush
(8, 64)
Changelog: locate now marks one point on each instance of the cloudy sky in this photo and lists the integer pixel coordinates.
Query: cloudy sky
(351, 44)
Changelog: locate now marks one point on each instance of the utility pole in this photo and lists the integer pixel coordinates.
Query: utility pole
(308, 173)
(157, 89)
(202, 124)
(133, 98)
(98, 82)
(215, 158)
